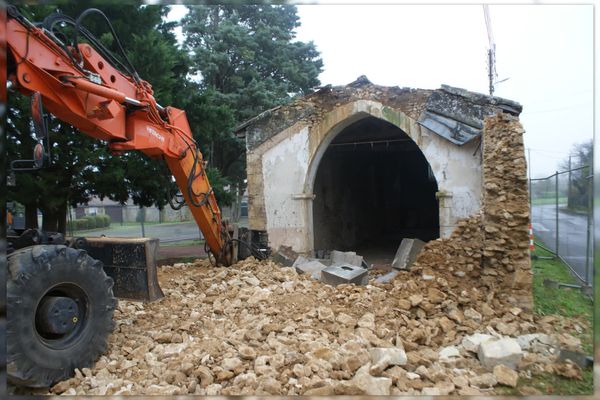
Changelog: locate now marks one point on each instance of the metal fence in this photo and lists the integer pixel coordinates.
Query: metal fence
(561, 214)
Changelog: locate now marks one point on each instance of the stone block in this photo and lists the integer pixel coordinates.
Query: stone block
(506, 376)
(387, 277)
(448, 353)
(301, 260)
(502, 351)
(471, 343)
(535, 342)
(407, 253)
(337, 274)
(285, 256)
(371, 385)
(386, 356)
(306, 266)
(346, 258)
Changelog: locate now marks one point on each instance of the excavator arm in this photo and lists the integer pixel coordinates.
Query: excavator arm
(83, 88)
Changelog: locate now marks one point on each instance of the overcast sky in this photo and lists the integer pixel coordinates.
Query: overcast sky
(545, 51)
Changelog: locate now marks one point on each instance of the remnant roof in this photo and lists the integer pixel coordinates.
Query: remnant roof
(457, 114)
(453, 113)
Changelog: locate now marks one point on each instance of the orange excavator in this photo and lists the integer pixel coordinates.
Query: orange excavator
(61, 291)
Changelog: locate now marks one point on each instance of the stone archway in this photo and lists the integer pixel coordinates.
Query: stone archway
(285, 146)
(371, 184)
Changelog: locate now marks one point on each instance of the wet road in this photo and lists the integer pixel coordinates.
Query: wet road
(572, 234)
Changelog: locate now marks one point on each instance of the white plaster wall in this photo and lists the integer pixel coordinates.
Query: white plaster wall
(286, 175)
(457, 170)
(284, 171)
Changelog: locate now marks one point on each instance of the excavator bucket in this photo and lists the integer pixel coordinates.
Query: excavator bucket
(130, 262)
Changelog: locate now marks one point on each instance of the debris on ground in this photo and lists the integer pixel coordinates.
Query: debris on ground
(344, 274)
(260, 328)
(407, 253)
(346, 258)
(285, 256)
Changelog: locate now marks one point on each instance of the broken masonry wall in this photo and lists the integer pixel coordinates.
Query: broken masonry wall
(285, 146)
(281, 171)
(506, 206)
(493, 246)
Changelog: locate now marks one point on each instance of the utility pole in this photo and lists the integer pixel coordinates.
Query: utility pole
(491, 54)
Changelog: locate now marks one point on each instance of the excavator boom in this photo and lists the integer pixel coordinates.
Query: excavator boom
(81, 87)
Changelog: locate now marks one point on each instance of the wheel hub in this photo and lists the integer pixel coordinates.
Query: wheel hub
(57, 315)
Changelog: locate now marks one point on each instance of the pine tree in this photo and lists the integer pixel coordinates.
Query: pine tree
(248, 62)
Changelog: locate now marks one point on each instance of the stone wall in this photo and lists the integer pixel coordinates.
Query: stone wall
(506, 204)
(285, 147)
(493, 246)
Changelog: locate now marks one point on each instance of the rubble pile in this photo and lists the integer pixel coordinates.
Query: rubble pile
(261, 328)
(494, 245)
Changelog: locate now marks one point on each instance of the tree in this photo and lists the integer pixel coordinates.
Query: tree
(248, 62)
(580, 182)
(82, 166)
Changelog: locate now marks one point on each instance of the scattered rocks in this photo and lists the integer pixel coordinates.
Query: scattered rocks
(472, 314)
(445, 387)
(415, 300)
(247, 353)
(502, 351)
(567, 369)
(448, 353)
(412, 376)
(430, 391)
(346, 320)
(505, 375)
(472, 342)
(371, 385)
(259, 329)
(231, 364)
(325, 314)
(483, 381)
(381, 358)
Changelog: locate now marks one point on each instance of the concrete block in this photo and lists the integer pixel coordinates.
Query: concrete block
(313, 268)
(503, 351)
(582, 360)
(407, 253)
(386, 356)
(301, 260)
(337, 274)
(472, 343)
(346, 258)
(285, 256)
(448, 353)
(370, 385)
(387, 277)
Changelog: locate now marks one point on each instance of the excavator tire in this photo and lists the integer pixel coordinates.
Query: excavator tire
(60, 306)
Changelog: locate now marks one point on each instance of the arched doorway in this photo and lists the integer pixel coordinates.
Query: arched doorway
(373, 187)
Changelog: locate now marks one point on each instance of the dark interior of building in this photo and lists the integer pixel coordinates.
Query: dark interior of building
(373, 188)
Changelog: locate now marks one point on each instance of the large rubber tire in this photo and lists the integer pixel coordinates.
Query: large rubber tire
(33, 358)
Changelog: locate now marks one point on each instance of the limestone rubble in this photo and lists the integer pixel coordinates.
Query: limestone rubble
(259, 328)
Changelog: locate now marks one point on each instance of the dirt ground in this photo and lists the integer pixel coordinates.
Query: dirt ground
(258, 328)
